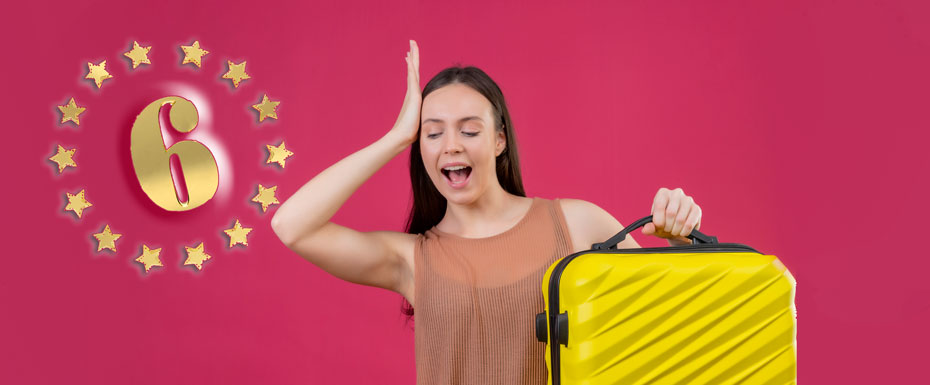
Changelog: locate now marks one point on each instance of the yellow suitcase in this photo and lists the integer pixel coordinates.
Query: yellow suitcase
(707, 313)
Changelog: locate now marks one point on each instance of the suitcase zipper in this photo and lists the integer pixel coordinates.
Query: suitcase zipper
(700, 247)
(554, 325)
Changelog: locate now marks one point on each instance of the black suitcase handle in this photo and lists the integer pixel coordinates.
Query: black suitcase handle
(696, 236)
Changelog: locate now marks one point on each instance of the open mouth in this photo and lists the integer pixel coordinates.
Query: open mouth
(457, 176)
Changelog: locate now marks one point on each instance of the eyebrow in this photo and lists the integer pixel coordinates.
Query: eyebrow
(462, 120)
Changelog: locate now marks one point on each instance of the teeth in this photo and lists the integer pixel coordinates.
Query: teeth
(453, 168)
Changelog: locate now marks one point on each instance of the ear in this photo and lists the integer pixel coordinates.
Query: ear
(500, 143)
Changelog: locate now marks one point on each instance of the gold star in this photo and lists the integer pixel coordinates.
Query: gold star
(138, 54)
(149, 258)
(196, 256)
(277, 154)
(266, 197)
(266, 108)
(77, 203)
(98, 72)
(106, 239)
(236, 73)
(70, 112)
(237, 234)
(193, 53)
(63, 158)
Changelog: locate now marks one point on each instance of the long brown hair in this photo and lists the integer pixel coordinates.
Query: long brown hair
(429, 205)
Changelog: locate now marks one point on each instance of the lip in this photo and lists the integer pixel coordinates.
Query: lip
(454, 164)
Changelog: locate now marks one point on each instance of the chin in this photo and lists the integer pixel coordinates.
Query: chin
(460, 197)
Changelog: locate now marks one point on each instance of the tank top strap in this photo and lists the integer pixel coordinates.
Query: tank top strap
(561, 228)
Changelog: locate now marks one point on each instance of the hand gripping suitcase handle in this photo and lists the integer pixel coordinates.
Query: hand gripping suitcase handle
(696, 236)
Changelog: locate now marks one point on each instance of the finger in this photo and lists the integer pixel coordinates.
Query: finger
(649, 229)
(411, 74)
(693, 217)
(415, 55)
(683, 211)
(658, 208)
(670, 212)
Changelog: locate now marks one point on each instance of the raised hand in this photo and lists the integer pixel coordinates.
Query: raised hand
(408, 121)
(674, 215)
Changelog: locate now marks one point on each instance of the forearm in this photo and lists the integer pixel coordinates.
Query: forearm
(315, 203)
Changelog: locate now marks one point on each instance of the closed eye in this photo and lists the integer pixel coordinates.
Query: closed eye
(469, 134)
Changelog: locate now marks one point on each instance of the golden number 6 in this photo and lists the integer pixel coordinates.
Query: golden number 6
(151, 160)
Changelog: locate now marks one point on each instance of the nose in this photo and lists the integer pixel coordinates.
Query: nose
(451, 144)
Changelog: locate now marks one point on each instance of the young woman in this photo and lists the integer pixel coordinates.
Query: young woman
(472, 259)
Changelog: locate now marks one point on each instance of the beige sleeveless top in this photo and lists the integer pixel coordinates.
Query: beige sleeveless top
(477, 299)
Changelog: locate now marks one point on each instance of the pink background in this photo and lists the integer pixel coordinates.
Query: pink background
(800, 128)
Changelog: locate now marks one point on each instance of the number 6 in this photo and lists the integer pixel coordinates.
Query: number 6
(151, 160)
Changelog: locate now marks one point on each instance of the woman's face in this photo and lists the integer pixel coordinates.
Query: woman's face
(459, 143)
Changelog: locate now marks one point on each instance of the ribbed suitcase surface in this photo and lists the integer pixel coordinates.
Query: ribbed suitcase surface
(701, 314)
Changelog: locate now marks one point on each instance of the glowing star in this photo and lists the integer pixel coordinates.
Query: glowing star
(193, 53)
(64, 158)
(70, 112)
(98, 72)
(237, 234)
(266, 109)
(77, 203)
(138, 54)
(266, 197)
(236, 73)
(196, 256)
(277, 154)
(106, 239)
(149, 258)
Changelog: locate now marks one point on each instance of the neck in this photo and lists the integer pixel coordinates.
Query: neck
(492, 213)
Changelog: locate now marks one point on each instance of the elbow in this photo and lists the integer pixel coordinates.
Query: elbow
(280, 228)
(290, 230)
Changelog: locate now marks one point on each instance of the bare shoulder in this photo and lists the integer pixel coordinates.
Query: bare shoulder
(588, 224)
(580, 209)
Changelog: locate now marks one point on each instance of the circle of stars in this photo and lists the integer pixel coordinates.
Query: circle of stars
(78, 202)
